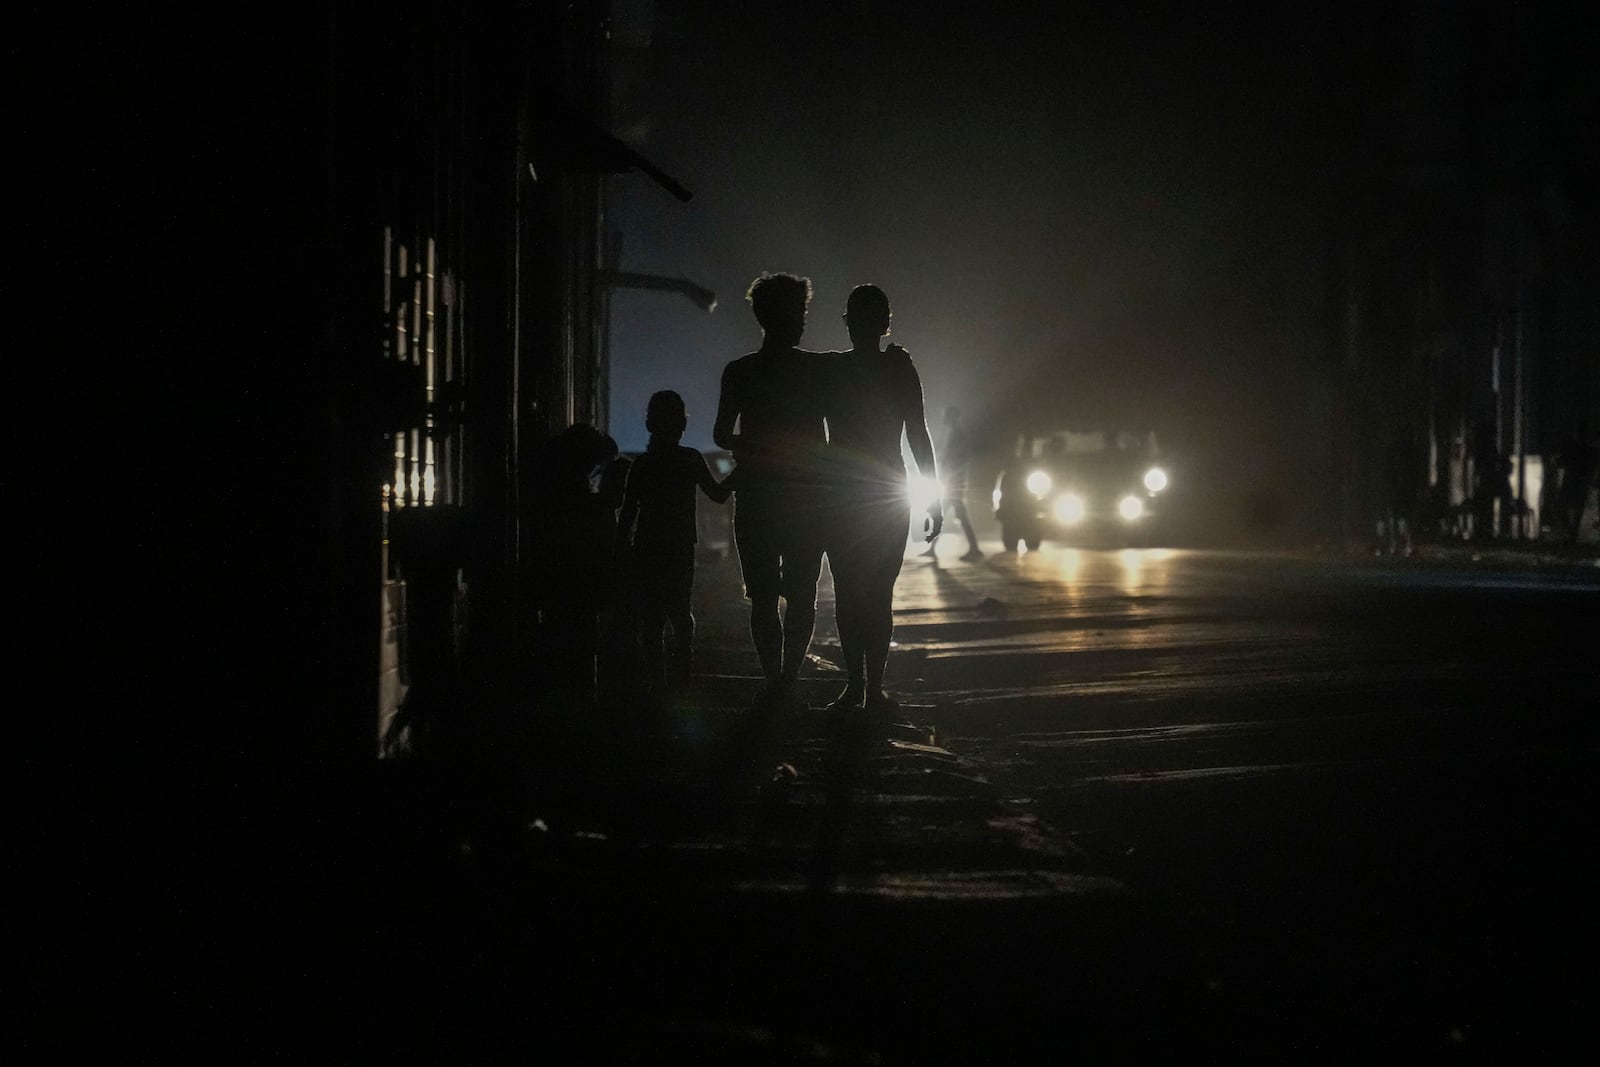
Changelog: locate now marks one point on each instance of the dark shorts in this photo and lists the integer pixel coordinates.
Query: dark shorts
(780, 544)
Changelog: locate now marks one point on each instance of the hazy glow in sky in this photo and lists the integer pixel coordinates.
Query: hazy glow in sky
(1082, 213)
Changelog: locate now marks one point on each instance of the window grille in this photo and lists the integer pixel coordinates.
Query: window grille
(421, 309)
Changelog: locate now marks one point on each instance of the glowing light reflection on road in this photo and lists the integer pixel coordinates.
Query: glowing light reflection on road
(1143, 569)
(1131, 571)
(1071, 565)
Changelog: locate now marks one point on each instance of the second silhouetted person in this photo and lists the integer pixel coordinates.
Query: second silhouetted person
(656, 535)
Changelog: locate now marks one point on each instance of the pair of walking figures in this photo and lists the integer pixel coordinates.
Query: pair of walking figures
(819, 472)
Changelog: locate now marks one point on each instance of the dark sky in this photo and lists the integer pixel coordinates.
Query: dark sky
(1114, 211)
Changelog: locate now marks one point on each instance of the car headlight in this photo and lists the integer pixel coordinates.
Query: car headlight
(1038, 483)
(1155, 479)
(1130, 507)
(1068, 508)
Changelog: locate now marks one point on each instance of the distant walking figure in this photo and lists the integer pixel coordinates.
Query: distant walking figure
(874, 397)
(768, 416)
(656, 534)
(1577, 462)
(1404, 474)
(956, 463)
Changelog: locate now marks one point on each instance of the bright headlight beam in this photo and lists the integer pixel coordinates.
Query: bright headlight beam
(1130, 507)
(1068, 508)
(1155, 479)
(1038, 483)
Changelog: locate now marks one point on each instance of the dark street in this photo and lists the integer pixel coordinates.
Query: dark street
(1370, 778)
(1169, 801)
(448, 397)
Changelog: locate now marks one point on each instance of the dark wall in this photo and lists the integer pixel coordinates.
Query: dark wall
(204, 190)
(219, 252)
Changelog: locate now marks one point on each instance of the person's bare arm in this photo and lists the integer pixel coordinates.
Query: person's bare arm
(627, 516)
(708, 482)
(919, 441)
(728, 405)
(916, 420)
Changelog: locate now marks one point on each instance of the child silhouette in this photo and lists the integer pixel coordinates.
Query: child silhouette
(656, 535)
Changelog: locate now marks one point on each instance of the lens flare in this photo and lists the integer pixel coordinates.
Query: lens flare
(1130, 507)
(1155, 479)
(923, 492)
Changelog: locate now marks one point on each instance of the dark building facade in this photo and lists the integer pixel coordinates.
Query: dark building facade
(312, 287)
(1466, 335)
(484, 180)
(357, 278)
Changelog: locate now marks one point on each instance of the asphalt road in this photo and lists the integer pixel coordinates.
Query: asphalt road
(1369, 782)
(1139, 804)
(1284, 803)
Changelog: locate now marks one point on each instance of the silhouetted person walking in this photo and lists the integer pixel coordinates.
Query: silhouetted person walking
(1492, 499)
(656, 535)
(575, 492)
(768, 416)
(1403, 478)
(1578, 460)
(955, 461)
(874, 397)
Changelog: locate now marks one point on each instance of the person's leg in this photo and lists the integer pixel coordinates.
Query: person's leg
(802, 567)
(852, 645)
(1572, 503)
(753, 532)
(680, 653)
(766, 633)
(567, 649)
(652, 624)
(847, 561)
(878, 631)
(619, 670)
(646, 578)
(799, 624)
(885, 555)
(958, 507)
